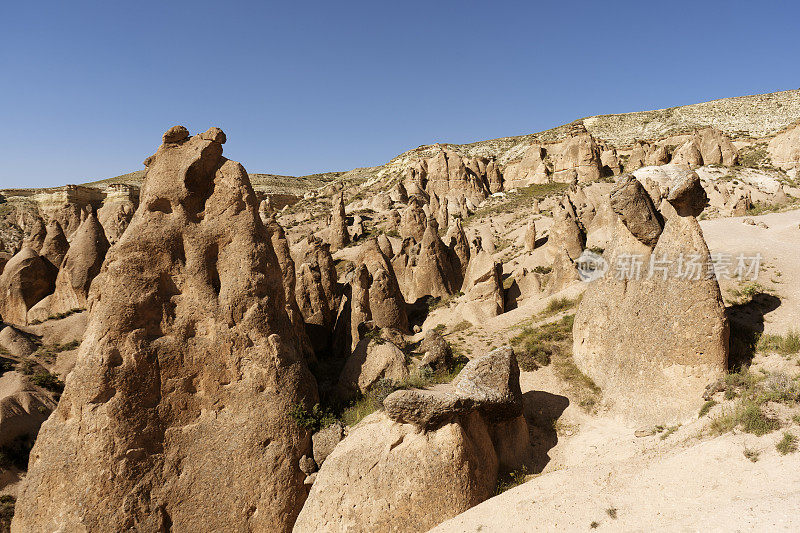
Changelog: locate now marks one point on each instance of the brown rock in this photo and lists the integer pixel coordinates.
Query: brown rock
(413, 220)
(530, 235)
(186, 375)
(81, 264)
(631, 202)
(55, 244)
(26, 279)
(391, 477)
(338, 234)
(325, 440)
(372, 360)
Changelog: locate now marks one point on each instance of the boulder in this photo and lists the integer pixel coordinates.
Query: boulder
(325, 440)
(635, 208)
(437, 353)
(372, 360)
(26, 279)
(390, 477)
(187, 373)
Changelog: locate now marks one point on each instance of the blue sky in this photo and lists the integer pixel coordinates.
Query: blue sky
(300, 87)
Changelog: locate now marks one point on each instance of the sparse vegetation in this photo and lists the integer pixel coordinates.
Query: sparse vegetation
(706, 408)
(669, 431)
(519, 199)
(783, 344)
(48, 381)
(7, 503)
(542, 269)
(312, 419)
(557, 305)
(751, 454)
(787, 445)
(511, 480)
(755, 156)
(612, 512)
(59, 316)
(551, 343)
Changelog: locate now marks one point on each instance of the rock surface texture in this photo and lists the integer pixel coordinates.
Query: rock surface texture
(653, 340)
(431, 456)
(176, 414)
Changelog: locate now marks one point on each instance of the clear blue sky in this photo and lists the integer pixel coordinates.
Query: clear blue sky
(301, 87)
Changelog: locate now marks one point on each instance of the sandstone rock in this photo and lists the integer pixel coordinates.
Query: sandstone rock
(688, 154)
(385, 245)
(577, 158)
(55, 244)
(529, 170)
(784, 149)
(437, 353)
(16, 342)
(427, 409)
(433, 273)
(386, 302)
(338, 234)
(81, 264)
(115, 215)
(391, 477)
(610, 162)
(307, 465)
(372, 360)
(631, 202)
(566, 233)
(413, 220)
(530, 236)
(23, 407)
(325, 440)
(653, 342)
(280, 246)
(26, 279)
(563, 272)
(186, 375)
(398, 194)
(491, 383)
(35, 235)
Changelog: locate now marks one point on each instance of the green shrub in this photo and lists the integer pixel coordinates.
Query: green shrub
(706, 408)
(543, 269)
(751, 454)
(788, 444)
(557, 305)
(314, 419)
(48, 381)
(783, 344)
(511, 479)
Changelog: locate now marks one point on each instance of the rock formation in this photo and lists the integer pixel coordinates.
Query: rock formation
(35, 235)
(372, 359)
(784, 149)
(653, 332)
(566, 232)
(55, 245)
(409, 469)
(338, 235)
(577, 158)
(176, 414)
(116, 212)
(530, 235)
(413, 220)
(280, 246)
(707, 146)
(81, 264)
(529, 170)
(27, 278)
(386, 304)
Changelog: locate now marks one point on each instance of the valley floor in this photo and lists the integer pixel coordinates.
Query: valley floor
(596, 473)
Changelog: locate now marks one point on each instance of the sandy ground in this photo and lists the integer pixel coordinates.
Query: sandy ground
(779, 247)
(592, 466)
(688, 481)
